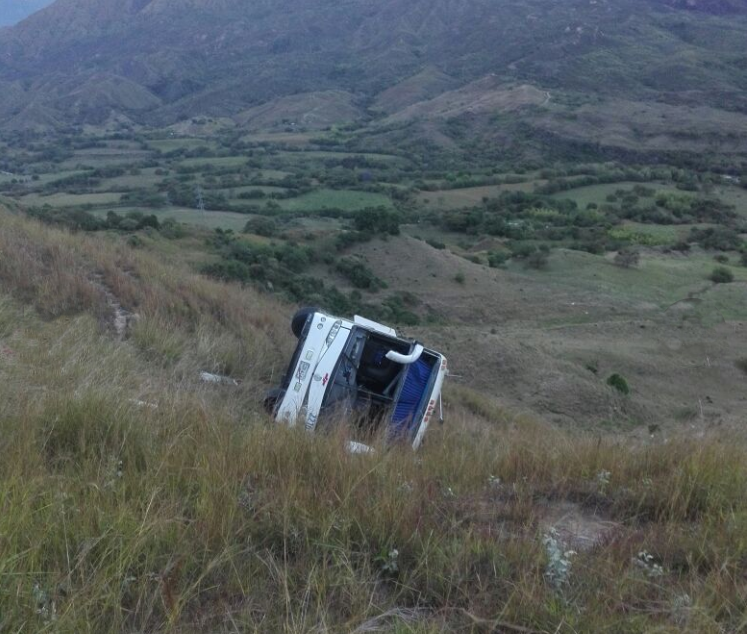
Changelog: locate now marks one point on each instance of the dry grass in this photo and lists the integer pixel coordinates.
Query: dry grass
(198, 515)
(179, 316)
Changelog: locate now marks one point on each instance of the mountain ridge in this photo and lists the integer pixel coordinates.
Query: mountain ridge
(158, 62)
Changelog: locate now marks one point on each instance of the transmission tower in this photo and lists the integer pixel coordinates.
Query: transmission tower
(200, 205)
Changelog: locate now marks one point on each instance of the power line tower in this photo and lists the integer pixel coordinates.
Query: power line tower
(199, 204)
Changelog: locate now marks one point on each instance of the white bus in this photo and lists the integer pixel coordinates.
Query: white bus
(360, 369)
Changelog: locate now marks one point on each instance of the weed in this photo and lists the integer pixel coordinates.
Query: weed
(559, 561)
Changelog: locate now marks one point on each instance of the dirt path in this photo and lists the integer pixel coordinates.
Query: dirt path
(120, 319)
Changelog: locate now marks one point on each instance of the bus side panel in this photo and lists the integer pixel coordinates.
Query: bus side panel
(432, 404)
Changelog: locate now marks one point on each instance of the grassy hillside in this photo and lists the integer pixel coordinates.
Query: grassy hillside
(134, 498)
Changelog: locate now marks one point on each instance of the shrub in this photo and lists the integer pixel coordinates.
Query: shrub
(538, 260)
(459, 278)
(618, 382)
(359, 275)
(627, 258)
(262, 227)
(522, 250)
(135, 241)
(377, 220)
(681, 246)
(721, 275)
(497, 259)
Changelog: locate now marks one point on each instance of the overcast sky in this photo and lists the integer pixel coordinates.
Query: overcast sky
(13, 11)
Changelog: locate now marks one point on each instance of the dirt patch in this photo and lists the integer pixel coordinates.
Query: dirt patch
(501, 514)
(577, 527)
(488, 94)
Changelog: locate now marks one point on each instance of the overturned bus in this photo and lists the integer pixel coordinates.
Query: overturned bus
(359, 370)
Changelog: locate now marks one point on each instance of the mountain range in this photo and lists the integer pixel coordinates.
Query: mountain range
(158, 62)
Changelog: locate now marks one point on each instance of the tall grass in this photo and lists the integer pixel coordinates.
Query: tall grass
(237, 330)
(135, 499)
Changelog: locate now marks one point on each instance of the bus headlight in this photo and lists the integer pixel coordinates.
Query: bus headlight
(333, 332)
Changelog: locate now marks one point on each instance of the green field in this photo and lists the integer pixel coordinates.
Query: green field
(234, 192)
(659, 280)
(210, 219)
(43, 179)
(146, 177)
(180, 143)
(221, 161)
(598, 193)
(653, 235)
(443, 199)
(283, 138)
(271, 174)
(323, 154)
(73, 200)
(100, 157)
(347, 200)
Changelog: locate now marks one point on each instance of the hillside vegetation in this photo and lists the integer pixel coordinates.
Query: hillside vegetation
(134, 498)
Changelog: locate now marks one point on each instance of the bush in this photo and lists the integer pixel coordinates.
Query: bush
(345, 239)
(681, 246)
(359, 275)
(497, 259)
(377, 220)
(522, 250)
(627, 258)
(460, 278)
(262, 227)
(135, 241)
(618, 382)
(538, 260)
(721, 275)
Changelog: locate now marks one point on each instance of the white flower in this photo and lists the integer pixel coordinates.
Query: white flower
(646, 562)
(559, 562)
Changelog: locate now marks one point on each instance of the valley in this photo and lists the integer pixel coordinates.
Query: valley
(513, 273)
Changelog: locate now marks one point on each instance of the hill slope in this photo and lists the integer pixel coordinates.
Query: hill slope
(181, 58)
(135, 498)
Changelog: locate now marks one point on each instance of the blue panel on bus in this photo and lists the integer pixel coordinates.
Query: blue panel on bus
(411, 395)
